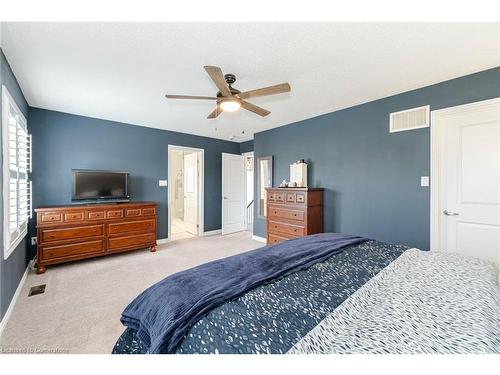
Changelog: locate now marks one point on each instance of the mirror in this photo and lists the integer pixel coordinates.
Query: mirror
(265, 180)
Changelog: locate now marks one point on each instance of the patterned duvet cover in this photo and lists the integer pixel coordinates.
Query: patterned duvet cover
(370, 298)
(275, 316)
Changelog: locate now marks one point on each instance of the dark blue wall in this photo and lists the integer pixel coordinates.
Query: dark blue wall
(371, 177)
(246, 146)
(63, 141)
(12, 268)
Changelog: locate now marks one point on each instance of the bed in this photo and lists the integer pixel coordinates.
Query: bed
(335, 294)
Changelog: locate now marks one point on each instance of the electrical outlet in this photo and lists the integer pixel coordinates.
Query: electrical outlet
(32, 264)
(33, 240)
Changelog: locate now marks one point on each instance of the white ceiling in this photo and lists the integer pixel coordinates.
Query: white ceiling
(121, 71)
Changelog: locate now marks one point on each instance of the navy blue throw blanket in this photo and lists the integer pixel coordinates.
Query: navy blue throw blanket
(163, 314)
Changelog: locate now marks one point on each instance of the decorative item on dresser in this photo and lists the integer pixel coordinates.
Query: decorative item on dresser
(293, 212)
(79, 231)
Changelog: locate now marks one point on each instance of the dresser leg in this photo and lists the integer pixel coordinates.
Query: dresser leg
(40, 269)
(152, 248)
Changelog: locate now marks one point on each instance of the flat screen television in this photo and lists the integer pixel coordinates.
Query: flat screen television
(99, 185)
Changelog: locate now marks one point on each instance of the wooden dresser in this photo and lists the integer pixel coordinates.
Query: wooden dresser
(293, 212)
(67, 233)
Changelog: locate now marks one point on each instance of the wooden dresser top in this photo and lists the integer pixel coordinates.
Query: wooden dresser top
(295, 188)
(94, 205)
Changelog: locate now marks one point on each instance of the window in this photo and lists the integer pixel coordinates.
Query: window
(16, 166)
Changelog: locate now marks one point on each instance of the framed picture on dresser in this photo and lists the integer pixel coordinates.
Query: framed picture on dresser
(265, 172)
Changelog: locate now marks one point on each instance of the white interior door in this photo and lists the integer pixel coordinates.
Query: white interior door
(469, 177)
(233, 193)
(191, 174)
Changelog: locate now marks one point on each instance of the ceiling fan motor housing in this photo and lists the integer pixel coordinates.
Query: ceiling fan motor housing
(230, 79)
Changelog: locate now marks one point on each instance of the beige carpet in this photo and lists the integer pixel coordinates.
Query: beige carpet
(80, 309)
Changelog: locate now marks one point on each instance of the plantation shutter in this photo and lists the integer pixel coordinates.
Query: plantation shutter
(17, 166)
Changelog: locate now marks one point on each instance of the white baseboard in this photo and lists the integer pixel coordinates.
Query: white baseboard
(215, 232)
(6, 317)
(260, 239)
(162, 241)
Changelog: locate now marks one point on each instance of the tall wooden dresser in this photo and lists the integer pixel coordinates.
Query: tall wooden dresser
(293, 212)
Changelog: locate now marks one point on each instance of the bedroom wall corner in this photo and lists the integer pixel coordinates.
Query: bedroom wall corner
(246, 146)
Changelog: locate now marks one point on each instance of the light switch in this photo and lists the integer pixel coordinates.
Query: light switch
(424, 181)
(163, 183)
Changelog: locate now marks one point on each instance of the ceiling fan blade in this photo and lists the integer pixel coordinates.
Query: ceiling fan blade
(216, 74)
(216, 112)
(190, 97)
(271, 90)
(255, 109)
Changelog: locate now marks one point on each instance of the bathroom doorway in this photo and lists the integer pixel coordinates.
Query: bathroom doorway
(185, 191)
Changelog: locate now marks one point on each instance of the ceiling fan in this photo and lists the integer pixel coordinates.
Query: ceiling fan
(230, 99)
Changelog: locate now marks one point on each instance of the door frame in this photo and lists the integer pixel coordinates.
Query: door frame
(246, 184)
(201, 188)
(437, 139)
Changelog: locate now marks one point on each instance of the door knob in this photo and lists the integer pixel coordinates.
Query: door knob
(450, 213)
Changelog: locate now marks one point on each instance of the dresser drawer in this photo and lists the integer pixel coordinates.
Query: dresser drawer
(132, 226)
(300, 198)
(274, 239)
(114, 214)
(149, 211)
(286, 213)
(285, 228)
(126, 242)
(51, 217)
(271, 196)
(96, 215)
(76, 249)
(48, 235)
(132, 212)
(279, 196)
(70, 217)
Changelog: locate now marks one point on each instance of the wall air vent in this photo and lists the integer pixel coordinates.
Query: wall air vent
(409, 119)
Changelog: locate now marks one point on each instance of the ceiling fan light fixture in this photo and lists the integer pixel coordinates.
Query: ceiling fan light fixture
(230, 105)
